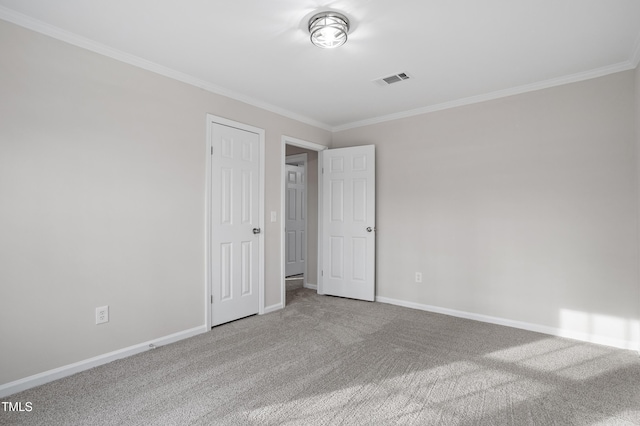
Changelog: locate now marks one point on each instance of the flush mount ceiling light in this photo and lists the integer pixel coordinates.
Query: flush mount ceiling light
(328, 29)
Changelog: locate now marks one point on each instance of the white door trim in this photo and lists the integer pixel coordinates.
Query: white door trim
(210, 120)
(288, 140)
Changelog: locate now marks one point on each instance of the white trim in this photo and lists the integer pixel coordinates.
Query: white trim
(262, 238)
(574, 78)
(211, 119)
(319, 277)
(284, 141)
(272, 308)
(304, 144)
(310, 286)
(67, 370)
(576, 335)
(207, 226)
(88, 44)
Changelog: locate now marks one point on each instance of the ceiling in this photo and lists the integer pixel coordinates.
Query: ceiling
(258, 51)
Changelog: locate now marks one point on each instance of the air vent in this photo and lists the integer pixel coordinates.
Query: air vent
(395, 78)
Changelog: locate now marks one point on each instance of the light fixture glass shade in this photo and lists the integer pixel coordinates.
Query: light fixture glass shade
(328, 29)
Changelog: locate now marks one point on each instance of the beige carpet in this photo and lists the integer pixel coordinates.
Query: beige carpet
(327, 361)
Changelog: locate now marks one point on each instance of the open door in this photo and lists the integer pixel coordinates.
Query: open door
(348, 224)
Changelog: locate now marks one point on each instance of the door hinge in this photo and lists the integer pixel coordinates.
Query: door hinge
(322, 273)
(212, 298)
(211, 150)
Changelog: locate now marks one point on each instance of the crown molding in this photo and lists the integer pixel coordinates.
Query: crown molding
(573, 78)
(88, 44)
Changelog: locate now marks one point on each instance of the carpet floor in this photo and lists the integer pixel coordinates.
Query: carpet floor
(330, 361)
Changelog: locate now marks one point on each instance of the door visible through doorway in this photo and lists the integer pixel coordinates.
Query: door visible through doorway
(296, 220)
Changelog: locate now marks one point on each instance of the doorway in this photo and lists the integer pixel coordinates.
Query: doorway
(296, 153)
(344, 228)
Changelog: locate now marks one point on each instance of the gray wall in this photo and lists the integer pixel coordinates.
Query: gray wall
(102, 191)
(522, 208)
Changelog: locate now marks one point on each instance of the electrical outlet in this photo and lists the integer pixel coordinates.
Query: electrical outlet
(102, 314)
(418, 277)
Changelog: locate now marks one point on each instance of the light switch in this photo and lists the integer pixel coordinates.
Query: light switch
(274, 216)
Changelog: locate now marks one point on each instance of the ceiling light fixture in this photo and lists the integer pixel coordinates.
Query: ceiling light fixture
(328, 29)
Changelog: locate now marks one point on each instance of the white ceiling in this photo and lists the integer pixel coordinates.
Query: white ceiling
(457, 51)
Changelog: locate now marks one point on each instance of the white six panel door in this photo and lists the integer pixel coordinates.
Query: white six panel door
(349, 222)
(295, 222)
(234, 215)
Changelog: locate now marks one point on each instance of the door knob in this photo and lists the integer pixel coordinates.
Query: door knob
(370, 229)
(256, 230)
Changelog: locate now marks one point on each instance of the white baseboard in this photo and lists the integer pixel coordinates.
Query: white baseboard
(272, 308)
(311, 286)
(585, 337)
(67, 370)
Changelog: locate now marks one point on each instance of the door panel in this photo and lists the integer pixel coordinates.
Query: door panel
(349, 222)
(235, 255)
(295, 225)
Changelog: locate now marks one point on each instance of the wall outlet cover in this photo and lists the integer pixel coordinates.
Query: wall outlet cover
(102, 314)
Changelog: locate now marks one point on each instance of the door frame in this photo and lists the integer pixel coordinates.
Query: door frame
(299, 160)
(288, 140)
(208, 206)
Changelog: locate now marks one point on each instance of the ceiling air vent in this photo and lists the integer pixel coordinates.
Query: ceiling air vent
(395, 78)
